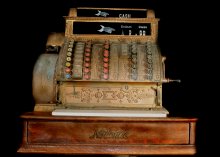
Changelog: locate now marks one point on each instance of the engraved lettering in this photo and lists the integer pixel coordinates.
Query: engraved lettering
(142, 27)
(126, 26)
(109, 134)
(124, 15)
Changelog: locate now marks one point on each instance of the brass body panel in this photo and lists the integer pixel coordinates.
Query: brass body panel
(102, 71)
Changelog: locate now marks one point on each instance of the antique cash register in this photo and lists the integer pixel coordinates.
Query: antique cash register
(105, 63)
(98, 89)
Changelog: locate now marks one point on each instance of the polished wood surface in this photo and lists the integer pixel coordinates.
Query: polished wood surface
(44, 133)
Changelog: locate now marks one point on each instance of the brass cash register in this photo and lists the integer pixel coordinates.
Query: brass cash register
(98, 90)
(108, 60)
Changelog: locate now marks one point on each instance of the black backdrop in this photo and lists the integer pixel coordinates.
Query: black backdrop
(184, 38)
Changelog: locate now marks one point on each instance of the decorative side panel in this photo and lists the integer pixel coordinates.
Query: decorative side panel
(141, 64)
(157, 63)
(124, 63)
(96, 61)
(114, 63)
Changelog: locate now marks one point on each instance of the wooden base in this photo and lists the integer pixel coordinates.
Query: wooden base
(47, 134)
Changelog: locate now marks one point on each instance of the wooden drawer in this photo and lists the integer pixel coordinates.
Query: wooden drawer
(102, 135)
(71, 132)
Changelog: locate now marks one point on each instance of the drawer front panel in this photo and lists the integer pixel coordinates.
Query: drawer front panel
(130, 133)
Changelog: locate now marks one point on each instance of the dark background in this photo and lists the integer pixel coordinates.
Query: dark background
(185, 38)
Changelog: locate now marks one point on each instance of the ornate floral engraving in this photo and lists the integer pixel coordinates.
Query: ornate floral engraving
(124, 95)
(86, 93)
